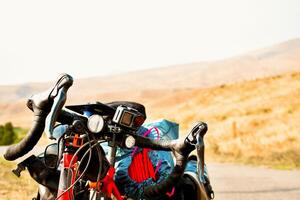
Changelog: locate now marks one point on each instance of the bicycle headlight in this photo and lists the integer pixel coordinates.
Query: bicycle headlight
(129, 142)
(95, 123)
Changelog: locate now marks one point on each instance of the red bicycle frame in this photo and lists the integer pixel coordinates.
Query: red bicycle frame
(106, 185)
(65, 180)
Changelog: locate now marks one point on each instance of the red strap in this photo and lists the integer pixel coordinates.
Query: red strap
(141, 167)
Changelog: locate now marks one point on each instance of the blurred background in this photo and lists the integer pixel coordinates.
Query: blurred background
(233, 64)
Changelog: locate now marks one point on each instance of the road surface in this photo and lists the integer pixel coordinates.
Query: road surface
(238, 182)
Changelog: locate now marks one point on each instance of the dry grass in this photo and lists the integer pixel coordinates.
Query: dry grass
(12, 187)
(252, 122)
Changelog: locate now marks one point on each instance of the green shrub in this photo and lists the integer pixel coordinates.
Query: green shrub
(7, 134)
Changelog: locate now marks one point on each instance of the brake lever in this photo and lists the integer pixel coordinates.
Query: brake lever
(200, 147)
(196, 138)
(59, 97)
(65, 81)
(198, 130)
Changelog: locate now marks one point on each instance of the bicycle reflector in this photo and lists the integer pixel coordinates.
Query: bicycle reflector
(138, 121)
(128, 117)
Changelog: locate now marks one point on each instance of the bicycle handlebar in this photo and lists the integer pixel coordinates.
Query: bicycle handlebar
(60, 98)
(41, 105)
(181, 150)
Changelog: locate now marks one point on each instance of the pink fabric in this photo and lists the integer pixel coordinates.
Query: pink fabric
(145, 135)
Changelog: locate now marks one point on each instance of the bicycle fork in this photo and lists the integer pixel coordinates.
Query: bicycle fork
(65, 180)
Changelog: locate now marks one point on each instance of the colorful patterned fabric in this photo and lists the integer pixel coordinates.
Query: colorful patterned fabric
(134, 189)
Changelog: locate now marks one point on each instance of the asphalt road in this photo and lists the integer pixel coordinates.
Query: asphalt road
(238, 182)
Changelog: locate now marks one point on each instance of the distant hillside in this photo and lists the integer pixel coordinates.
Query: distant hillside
(284, 57)
(251, 102)
(253, 121)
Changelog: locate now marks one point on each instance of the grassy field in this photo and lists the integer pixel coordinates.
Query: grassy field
(12, 187)
(254, 122)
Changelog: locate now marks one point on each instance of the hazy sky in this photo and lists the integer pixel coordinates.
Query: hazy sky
(40, 39)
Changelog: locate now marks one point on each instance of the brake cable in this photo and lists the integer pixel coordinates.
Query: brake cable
(99, 153)
(71, 162)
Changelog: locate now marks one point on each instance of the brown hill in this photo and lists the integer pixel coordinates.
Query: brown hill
(152, 83)
(284, 57)
(252, 120)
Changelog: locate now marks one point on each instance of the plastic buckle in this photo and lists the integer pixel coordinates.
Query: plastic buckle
(77, 141)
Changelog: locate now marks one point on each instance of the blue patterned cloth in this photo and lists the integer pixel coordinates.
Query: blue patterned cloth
(168, 131)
